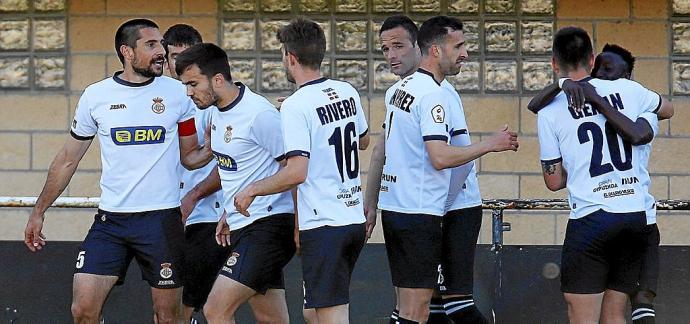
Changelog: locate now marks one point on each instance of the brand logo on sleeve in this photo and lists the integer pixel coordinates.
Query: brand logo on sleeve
(139, 135)
(438, 113)
(158, 107)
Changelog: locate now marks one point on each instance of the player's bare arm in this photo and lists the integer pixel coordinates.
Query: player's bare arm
(543, 98)
(203, 189)
(665, 110)
(371, 194)
(637, 132)
(293, 174)
(59, 174)
(555, 176)
(193, 155)
(364, 142)
(444, 156)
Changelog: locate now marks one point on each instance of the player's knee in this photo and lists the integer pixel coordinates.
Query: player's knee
(84, 312)
(272, 318)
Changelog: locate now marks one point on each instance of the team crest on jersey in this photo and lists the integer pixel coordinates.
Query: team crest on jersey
(166, 271)
(438, 114)
(232, 260)
(158, 107)
(228, 134)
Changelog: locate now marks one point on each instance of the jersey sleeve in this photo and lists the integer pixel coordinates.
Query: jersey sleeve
(83, 126)
(653, 121)
(295, 129)
(264, 129)
(188, 110)
(549, 150)
(362, 125)
(434, 117)
(649, 100)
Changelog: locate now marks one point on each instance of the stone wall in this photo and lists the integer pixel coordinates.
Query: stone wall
(51, 50)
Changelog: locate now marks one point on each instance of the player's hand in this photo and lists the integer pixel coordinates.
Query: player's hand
(589, 92)
(223, 231)
(187, 204)
(575, 94)
(503, 140)
(33, 237)
(370, 214)
(242, 201)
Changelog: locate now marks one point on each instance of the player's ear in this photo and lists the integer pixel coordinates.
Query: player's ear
(127, 52)
(554, 66)
(217, 80)
(591, 61)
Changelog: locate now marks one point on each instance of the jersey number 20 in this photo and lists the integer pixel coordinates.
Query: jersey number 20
(596, 168)
(346, 150)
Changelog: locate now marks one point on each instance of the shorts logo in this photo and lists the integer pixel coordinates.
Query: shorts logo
(440, 277)
(228, 134)
(158, 107)
(232, 260)
(438, 114)
(138, 135)
(166, 272)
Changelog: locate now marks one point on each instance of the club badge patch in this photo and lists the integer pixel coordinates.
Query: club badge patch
(166, 271)
(232, 260)
(228, 134)
(438, 114)
(158, 107)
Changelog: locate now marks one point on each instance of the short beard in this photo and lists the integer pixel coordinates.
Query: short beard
(146, 72)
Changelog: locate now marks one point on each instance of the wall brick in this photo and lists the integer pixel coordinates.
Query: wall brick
(86, 7)
(526, 159)
(532, 228)
(673, 227)
(587, 25)
(13, 223)
(528, 120)
(85, 184)
(649, 9)
(533, 187)
(143, 7)
(60, 224)
(45, 147)
(679, 187)
(93, 34)
(666, 154)
(503, 110)
(92, 159)
(377, 114)
(193, 7)
(630, 36)
(30, 112)
(24, 183)
(86, 69)
(593, 9)
(652, 73)
(495, 186)
(561, 224)
(680, 122)
(14, 151)
(113, 64)
(486, 229)
(664, 128)
(660, 187)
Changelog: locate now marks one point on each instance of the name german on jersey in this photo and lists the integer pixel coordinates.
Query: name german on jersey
(613, 99)
(336, 111)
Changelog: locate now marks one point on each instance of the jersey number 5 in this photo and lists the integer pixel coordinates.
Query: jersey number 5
(596, 168)
(346, 150)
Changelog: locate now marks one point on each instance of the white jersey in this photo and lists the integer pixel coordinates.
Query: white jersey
(417, 110)
(604, 172)
(207, 210)
(323, 120)
(137, 127)
(247, 147)
(464, 187)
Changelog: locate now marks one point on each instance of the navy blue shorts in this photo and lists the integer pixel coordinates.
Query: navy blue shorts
(260, 251)
(460, 232)
(413, 245)
(329, 254)
(203, 258)
(604, 251)
(154, 238)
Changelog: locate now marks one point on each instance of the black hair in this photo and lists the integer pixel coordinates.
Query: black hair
(210, 59)
(304, 39)
(401, 21)
(128, 34)
(572, 48)
(181, 35)
(624, 53)
(435, 30)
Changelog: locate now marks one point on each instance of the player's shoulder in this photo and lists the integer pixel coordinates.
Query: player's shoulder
(100, 86)
(558, 105)
(166, 81)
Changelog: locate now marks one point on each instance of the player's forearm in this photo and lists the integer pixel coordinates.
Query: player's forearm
(59, 175)
(197, 157)
(543, 98)
(207, 187)
(453, 156)
(665, 110)
(285, 179)
(378, 156)
(636, 132)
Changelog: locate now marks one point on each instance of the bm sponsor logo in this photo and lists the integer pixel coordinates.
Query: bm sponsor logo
(139, 135)
(225, 162)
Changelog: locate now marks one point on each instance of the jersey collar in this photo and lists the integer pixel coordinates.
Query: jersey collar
(117, 79)
(423, 71)
(237, 100)
(319, 80)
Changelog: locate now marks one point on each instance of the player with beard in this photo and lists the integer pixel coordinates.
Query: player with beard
(145, 125)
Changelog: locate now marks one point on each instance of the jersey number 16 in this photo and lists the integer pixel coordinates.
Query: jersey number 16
(346, 150)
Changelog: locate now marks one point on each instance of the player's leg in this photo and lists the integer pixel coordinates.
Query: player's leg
(225, 298)
(584, 308)
(166, 304)
(329, 254)
(460, 233)
(613, 307)
(413, 245)
(270, 307)
(309, 315)
(643, 300)
(89, 293)
(102, 261)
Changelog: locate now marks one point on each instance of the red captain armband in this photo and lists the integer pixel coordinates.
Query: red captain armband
(186, 128)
